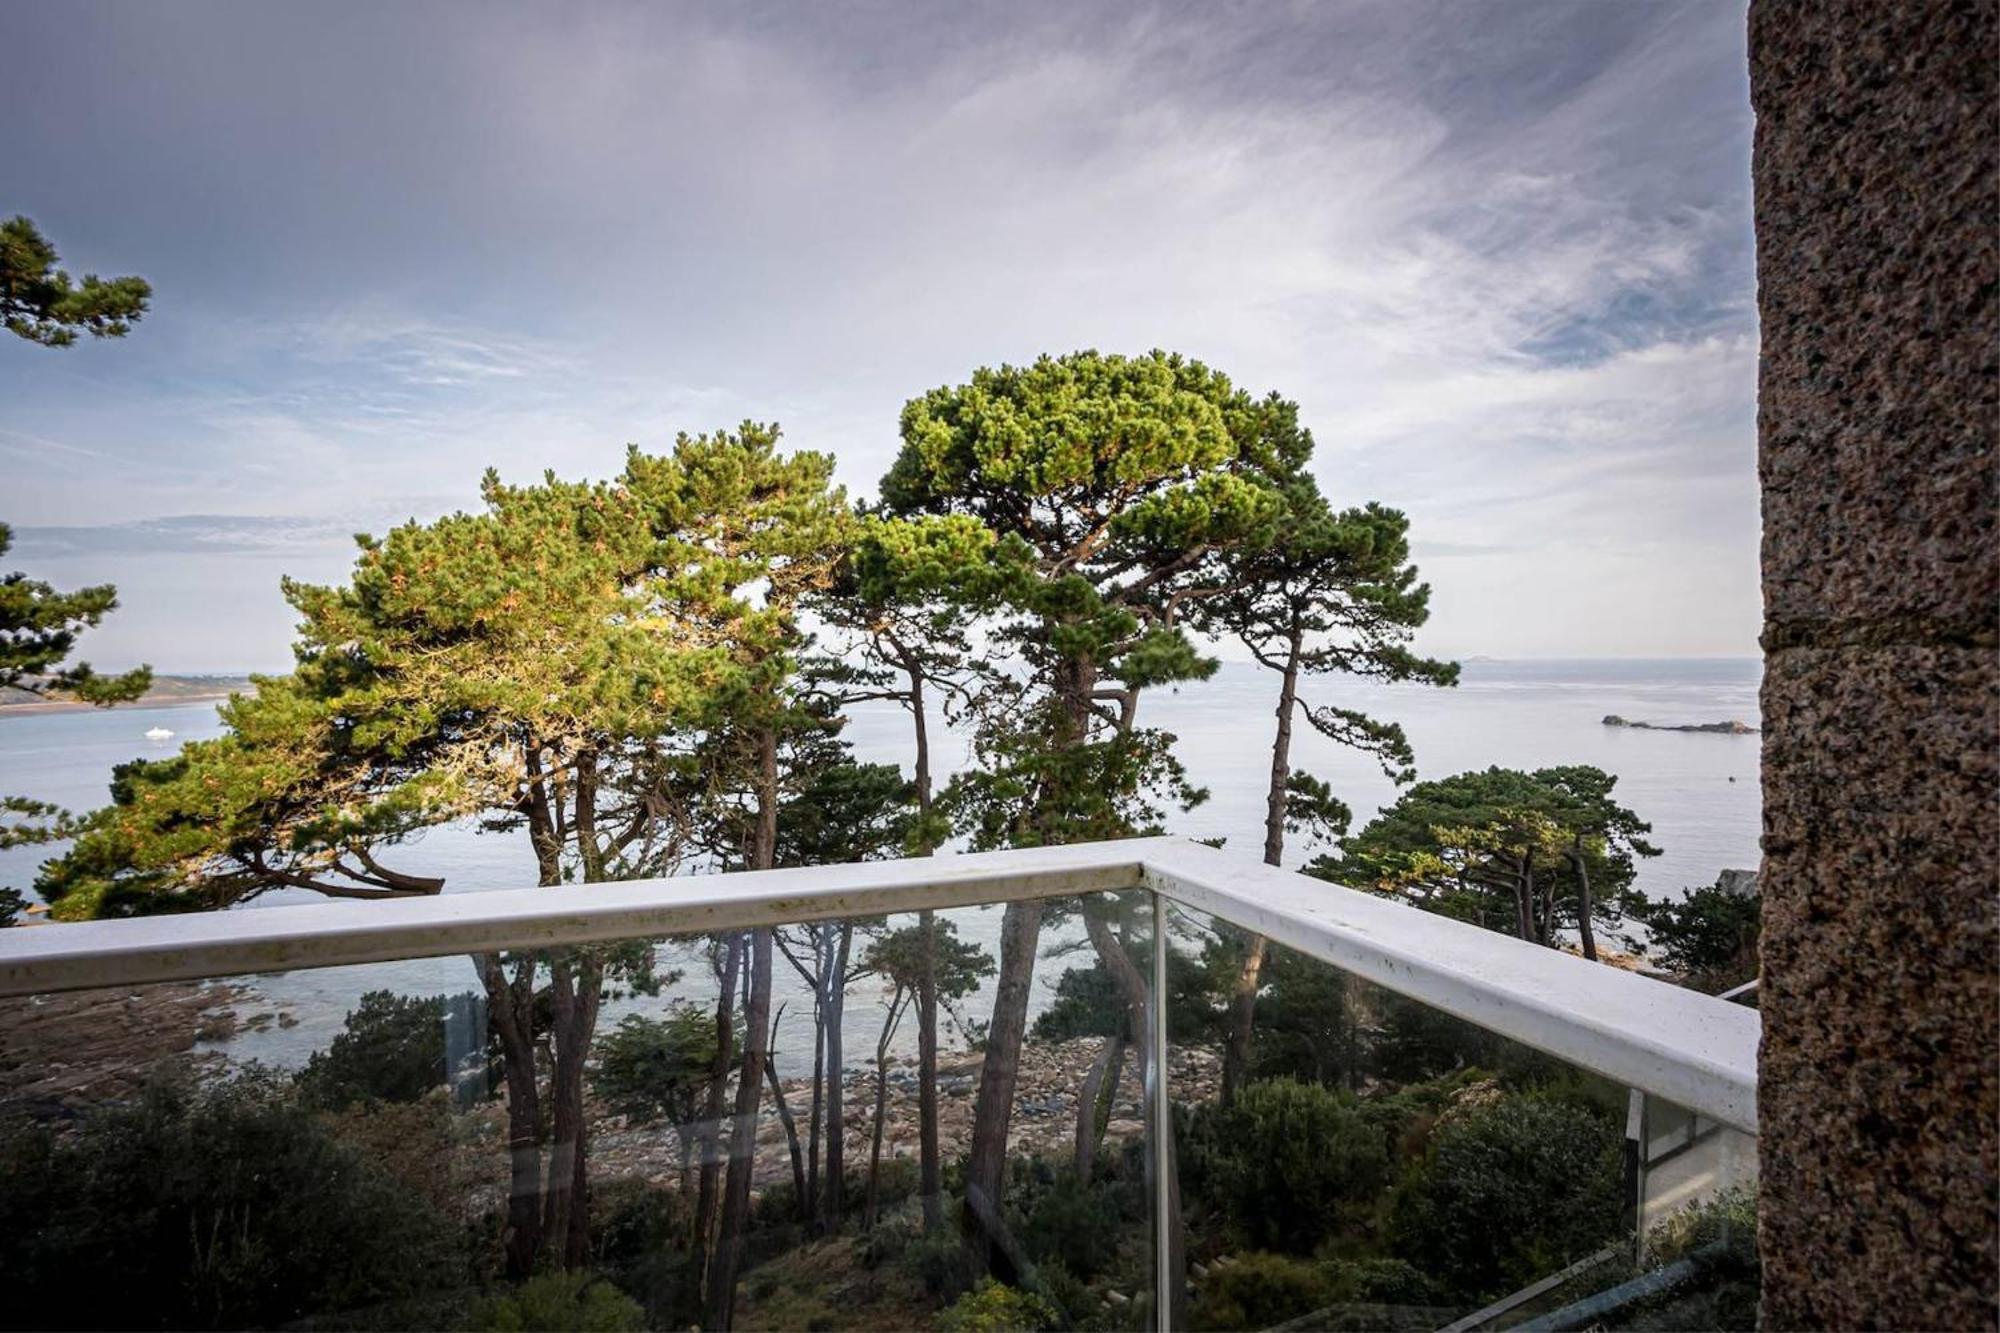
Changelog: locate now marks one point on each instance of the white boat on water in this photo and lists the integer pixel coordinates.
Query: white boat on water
(158, 734)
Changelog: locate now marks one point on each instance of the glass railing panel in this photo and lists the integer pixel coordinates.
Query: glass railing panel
(1352, 1159)
(545, 1140)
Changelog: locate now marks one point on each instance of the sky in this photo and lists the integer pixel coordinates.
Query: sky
(1500, 253)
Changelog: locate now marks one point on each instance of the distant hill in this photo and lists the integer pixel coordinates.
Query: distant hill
(166, 690)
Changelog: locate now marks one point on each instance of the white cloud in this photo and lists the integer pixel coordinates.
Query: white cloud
(1501, 264)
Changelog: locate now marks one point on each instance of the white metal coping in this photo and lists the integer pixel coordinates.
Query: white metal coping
(1692, 1049)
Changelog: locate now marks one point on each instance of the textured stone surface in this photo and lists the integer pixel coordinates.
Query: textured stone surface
(1880, 1081)
(1875, 159)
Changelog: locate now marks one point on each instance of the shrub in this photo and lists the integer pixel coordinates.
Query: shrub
(993, 1308)
(1074, 1223)
(937, 1260)
(1386, 1282)
(638, 1237)
(572, 1302)
(1722, 1236)
(409, 1141)
(1290, 1163)
(223, 1207)
(1414, 1041)
(1709, 936)
(656, 1069)
(1509, 1192)
(392, 1049)
(1259, 1289)
(631, 1218)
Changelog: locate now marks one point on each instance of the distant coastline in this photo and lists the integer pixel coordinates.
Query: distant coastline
(1714, 728)
(167, 692)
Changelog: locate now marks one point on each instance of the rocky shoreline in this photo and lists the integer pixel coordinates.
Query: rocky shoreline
(1044, 1122)
(60, 1054)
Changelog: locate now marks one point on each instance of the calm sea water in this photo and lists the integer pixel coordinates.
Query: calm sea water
(1699, 791)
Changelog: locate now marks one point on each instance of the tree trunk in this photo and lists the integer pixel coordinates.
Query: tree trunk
(710, 1130)
(869, 1210)
(1524, 900)
(1242, 1017)
(930, 1165)
(1583, 906)
(1091, 1100)
(1132, 988)
(986, 1162)
(1243, 996)
(791, 1127)
(577, 986)
(1281, 760)
(512, 1019)
(930, 1174)
(834, 1195)
(822, 953)
(728, 1258)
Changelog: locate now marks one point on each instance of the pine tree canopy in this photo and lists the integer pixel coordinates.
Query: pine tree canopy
(38, 631)
(43, 304)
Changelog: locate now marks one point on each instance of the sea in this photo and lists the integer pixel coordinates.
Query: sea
(1699, 791)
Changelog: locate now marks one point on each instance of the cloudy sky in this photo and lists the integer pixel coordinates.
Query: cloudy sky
(1500, 252)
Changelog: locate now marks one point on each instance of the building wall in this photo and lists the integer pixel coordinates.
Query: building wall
(1875, 175)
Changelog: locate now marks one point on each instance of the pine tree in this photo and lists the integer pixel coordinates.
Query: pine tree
(1115, 487)
(43, 304)
(1333, 594)
(1532, 854)
(39, 626)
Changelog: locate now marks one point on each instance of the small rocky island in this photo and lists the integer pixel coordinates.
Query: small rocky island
(1719, 728)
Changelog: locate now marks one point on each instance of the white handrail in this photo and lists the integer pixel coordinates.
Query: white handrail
(1689, 1048)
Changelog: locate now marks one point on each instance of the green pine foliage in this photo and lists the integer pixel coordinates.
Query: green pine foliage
(43, 304)
(654, 1070)
(1113, 486)
(391, 1049)
(1532, 854)
(1708, 936)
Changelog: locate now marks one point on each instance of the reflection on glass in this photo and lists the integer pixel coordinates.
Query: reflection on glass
(1351, 1159)
(649, 1134)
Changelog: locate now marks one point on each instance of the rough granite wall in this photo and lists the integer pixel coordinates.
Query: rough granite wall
(1877, 214)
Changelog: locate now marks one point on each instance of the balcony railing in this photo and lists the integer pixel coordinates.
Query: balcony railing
(1688, 1060)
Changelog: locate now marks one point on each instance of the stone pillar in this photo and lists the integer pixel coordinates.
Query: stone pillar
(1875, 175)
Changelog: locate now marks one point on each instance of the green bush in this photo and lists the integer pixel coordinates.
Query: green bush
(1259, 1289)
(572, 1302)
(639, 1238)
(1510, 1192)
(1721, 1235)
(1289, 1163)
(1074, 1223)
(223, 1207)
(939, 1261)
(656, 1069)
(632, 1218)
(1708, 936)
(391, 1050)
(993, 1308)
